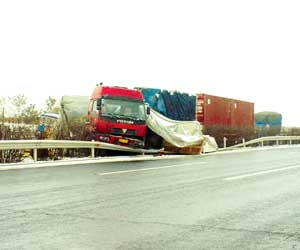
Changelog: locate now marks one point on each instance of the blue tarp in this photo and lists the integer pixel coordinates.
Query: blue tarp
(174, 105)
(260, 123)
(268, 119)
(154, 99)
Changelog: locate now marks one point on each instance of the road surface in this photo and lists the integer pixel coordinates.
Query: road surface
(248, 200)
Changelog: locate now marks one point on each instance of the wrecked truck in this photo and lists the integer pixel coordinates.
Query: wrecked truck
(120, 116)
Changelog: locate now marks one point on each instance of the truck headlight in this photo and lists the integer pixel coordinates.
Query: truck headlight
(104, 138)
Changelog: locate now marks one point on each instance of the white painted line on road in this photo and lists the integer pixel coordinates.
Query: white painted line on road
(250, 149)
(148, 169)
(260, 173)
(99, 160)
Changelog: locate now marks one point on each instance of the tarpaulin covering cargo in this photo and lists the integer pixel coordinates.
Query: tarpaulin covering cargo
(177, 133)
(179, 106)
(174, 105)
(210, 144)
(72, 118)
(75, 107)
(268, 119)
(155, 100)
(268, 123)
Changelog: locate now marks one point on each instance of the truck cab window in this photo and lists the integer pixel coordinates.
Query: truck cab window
(124, 108)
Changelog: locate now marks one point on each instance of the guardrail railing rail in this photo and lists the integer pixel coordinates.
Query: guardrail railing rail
(35, 145)
(262, 140)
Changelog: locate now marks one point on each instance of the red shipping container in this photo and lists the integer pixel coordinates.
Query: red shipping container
(215, 110)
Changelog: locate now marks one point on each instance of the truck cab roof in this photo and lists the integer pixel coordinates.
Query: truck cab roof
(101, 91)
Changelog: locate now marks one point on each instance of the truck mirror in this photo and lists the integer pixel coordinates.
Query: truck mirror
(148, 110)
(99, 102)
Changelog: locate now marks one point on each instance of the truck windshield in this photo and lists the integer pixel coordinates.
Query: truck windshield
(124, 109)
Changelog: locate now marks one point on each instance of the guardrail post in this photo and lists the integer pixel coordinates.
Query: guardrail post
(2, 155)
(277, 142)
(262, 144)
(224, 142)
(35, 154)
(93, 152)
(64, 151)
(290, 142)
(244, 143)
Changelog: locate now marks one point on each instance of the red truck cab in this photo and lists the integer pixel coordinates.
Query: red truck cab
(118, 115)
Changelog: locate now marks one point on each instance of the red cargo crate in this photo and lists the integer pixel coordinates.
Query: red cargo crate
(216, 110)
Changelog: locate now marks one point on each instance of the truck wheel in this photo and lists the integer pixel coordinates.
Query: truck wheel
(155, 142)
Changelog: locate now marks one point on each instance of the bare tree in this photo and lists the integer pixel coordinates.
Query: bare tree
(19, 102)
(30, 114)
(50, 102)
(2, 107)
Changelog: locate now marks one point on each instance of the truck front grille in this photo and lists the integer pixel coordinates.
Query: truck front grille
(119, 131)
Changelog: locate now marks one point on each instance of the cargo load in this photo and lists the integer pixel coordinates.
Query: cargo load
(216, 110)
(182, 137)
(69, 122)
(177, 133)
(225, 117)
(172, 104)
(75, 107)
(268, 118)
(268, 123)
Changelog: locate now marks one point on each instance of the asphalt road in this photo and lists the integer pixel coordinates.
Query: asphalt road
(247, 200)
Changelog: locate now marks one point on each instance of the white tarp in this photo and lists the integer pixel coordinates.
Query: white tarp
(178, 133)
(210, 144)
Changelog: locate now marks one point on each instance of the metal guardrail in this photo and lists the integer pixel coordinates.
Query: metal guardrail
(35, 145)
(263, 140)
(65, 144)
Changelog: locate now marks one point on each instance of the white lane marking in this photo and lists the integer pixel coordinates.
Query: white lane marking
(148, 169)
(260, 173)
(99, 160)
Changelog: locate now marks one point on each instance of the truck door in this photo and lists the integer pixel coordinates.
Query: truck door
(92, 115)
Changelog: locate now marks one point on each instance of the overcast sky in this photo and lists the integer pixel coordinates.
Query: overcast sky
(248, 50)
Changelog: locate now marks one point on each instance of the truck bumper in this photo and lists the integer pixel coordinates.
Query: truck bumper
(119, 140)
